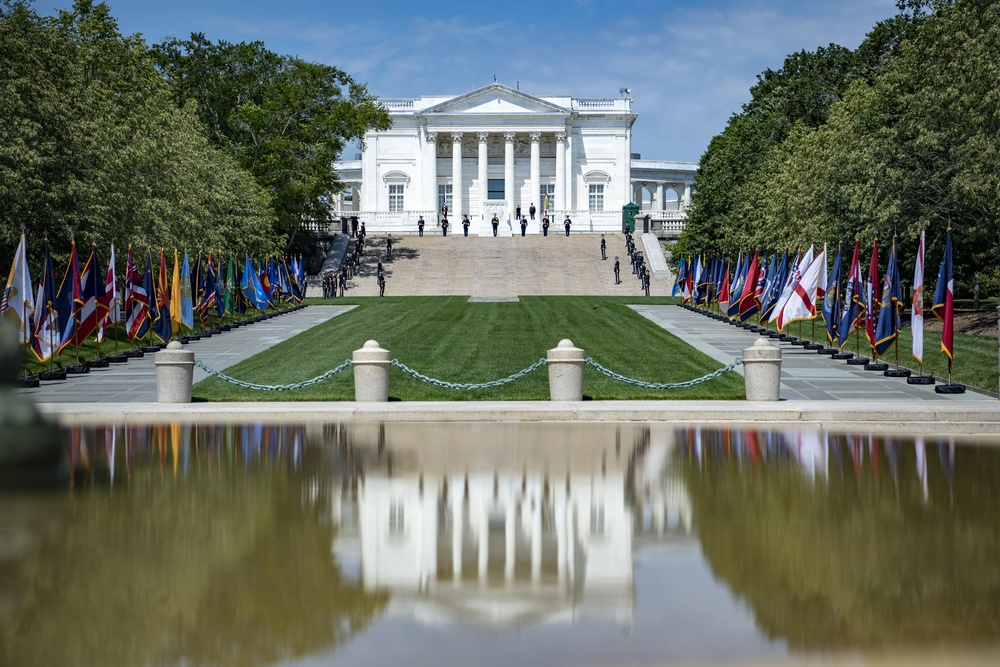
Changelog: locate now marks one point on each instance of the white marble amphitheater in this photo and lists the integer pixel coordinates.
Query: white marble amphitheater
(494, 149)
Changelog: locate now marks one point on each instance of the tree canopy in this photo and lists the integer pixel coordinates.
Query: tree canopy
(897, 136)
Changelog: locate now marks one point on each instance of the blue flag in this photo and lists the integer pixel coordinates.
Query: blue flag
(187, 300)
(832, 302)
(888, 326)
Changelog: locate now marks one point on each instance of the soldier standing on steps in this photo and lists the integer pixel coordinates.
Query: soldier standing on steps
(465, 225)
(381, 284)
(496, 223)
(618, 278)
(343, 282)
(420, 226)
(524, 226)
(545, 226)
(388, 248)
(517, 211)
(531, 210)
(645, 281)
(604, 248)
(444, 226)
(566, 223)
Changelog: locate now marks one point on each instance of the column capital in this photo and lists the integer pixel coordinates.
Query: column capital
(509, 137)
(432, 137)
(483, 137)
(560, 136)
(456, 137)
(535, 137)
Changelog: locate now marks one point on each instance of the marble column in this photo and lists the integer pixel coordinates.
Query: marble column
(431, 171)
(660, 203)
(456, 209)
(536, 174)
(484, 189)
(560, 193)
(686, 197)
(508, 172)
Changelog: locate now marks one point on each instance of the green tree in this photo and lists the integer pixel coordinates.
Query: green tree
(282, 118)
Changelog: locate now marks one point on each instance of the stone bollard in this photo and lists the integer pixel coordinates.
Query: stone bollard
(762, 371)
(565, 372)
(174, 374)
(371, 373)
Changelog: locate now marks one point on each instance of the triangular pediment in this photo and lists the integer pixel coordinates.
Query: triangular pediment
(495, 98)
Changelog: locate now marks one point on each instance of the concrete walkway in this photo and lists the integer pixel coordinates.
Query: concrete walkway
(135, 382)
(805, 375)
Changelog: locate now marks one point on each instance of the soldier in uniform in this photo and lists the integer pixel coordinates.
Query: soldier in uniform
(604, 247)
(444, 226)
(545, 226)
(381, 284)
(379, 268)
(496, 223)
(618, 278)
(531, 210)
(517, 211)
(343, 281)
(524, 226)
(465, 224)
(645, 282)
(354, 226)
(444, 210)
(420, 226)
(566, 223)
(388, 248)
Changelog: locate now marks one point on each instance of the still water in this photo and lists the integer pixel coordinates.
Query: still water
(501, 544)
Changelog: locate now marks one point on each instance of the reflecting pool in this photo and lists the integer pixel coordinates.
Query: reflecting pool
(501, 544)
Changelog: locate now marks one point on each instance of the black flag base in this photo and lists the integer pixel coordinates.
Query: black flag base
(802, 342)
(827, 350)
(134, 354)
(812, 346)
(897, 373)
(52, 376)
(950, 389)
(79, 369)
(840, 356)
(27, 383)
(920, 379)
(101, 362)
(120, 358)
(879, 366)
(857, 361)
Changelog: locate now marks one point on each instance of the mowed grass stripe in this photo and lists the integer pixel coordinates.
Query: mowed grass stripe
(450, 339)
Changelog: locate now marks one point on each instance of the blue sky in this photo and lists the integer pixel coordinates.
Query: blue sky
(688, 63)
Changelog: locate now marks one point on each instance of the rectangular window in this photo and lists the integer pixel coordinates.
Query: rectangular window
(495, 188)
(444, 196)
(396, 198)
(547, 190)
(596, 196)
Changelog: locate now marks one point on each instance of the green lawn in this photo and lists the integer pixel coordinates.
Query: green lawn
(451, 339)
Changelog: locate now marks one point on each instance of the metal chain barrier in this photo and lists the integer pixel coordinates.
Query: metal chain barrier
(478, 385)
(279, 387)
(665, 385)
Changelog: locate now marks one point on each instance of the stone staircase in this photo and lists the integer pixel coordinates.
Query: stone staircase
(504, 267)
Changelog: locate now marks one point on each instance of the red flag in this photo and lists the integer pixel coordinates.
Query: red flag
(872, 295)
(748, 299)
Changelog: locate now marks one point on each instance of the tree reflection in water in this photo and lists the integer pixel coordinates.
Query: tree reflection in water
(848, 541)
(210, 547)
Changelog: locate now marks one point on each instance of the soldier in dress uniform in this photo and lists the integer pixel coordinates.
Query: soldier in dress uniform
(545, 226)
(465, 224)
(343, 281)
(381, 284)
(388, 248)
(566, 223)
(604, 248)
(496, 223)
(618, 278)
(444, 226)
(517, 211)
(645, 282)
(420, 226)
(524, 226)
(531, 211)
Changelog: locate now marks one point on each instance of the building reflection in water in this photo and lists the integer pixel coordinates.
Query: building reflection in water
(509, 525)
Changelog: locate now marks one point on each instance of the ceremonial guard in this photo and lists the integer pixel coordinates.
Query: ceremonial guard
(645, 282)
(496, 223)
(381, 284)
(618, 278)
(420, 226)
(379, 268)
(465, 224)
(354, 226)
(362, 232)
(604, 248)
(524, 226)
(388, 248)
(531, 211)
(517, 211)
(545, 226)
(444, 226)
(444, 210)
(566, 223)
(343, 282)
